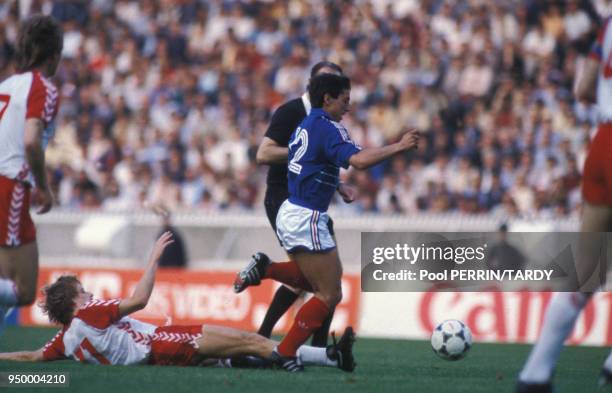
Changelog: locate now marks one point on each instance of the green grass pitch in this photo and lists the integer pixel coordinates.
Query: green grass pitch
(383, 366)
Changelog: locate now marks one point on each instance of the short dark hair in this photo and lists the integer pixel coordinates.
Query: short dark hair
(323, 84)
(324, 64)
(40, 37)
(59, 299)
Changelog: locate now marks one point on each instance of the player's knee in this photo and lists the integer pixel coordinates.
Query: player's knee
(332, 298)
(254, 340)
(25, 295)
(337, 298)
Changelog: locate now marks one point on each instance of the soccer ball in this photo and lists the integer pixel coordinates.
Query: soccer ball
(451, 340)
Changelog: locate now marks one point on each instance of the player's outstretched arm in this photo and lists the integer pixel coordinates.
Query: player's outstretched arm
(372, 156)
(270, 152)
(23, 356)
(142, 292)
(35, 157)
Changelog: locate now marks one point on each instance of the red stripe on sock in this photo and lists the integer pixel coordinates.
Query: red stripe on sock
(288, 273)
(308, 319)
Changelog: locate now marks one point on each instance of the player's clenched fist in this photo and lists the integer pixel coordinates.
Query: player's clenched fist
(410, 140)
(43, 197)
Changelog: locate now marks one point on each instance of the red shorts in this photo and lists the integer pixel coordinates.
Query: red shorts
(16, 226)
(597, 176)
(175, 345)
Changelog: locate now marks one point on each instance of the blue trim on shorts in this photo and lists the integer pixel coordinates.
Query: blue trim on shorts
(308, 250)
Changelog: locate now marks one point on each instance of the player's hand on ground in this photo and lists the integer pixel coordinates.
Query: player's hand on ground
(160, 245)
(348, 193)
(410, 139)
(43, 197)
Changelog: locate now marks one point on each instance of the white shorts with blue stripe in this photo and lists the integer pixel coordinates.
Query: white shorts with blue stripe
(302, 229)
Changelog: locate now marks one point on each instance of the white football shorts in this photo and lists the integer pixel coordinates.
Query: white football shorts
(302, 229)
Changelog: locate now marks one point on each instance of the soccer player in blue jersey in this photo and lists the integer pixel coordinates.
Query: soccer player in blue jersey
(273, 151)
(317, 149)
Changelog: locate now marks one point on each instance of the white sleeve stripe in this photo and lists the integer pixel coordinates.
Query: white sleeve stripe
(343, 133)
(53, 340)
(99, 302)
(50, 99)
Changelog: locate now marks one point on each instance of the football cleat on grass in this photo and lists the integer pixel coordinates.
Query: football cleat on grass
(605, 378)
(252, 273)
(342, 351)
(524, 387)
(289, 363)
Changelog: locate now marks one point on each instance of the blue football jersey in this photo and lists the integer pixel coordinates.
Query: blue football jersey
(317, 150)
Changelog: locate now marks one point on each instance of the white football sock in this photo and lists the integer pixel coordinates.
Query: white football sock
(608, 363)
(8, 293)
(309, 355)
(559, 321)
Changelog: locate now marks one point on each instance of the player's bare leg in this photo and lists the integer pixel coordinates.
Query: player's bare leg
(18, 277)
(319, 337)
(598, 219)
(283, 299)
(595, 218)
(260, 267)
(323, 271)
(223, 342)
(20, 264)
(565, 307)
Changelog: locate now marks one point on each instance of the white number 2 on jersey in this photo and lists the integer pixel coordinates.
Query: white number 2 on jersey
(301, 136)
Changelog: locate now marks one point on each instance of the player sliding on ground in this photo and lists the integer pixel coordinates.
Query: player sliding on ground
(101, 332)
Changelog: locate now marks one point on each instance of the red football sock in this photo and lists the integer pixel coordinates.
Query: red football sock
(308, 319)
(288, 273)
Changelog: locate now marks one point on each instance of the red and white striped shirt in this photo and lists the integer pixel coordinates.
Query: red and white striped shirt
(24, 96)
(97, 335)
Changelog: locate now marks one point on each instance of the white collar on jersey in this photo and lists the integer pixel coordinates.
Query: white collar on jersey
(306, 102)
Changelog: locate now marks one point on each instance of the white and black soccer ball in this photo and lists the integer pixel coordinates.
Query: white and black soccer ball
(451, 340)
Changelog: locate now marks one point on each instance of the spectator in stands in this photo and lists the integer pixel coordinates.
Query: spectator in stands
(171, 100)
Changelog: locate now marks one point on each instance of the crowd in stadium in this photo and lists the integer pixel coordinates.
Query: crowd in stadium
(167, 100)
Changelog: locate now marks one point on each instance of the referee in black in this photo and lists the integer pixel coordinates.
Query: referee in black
(273, 151)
